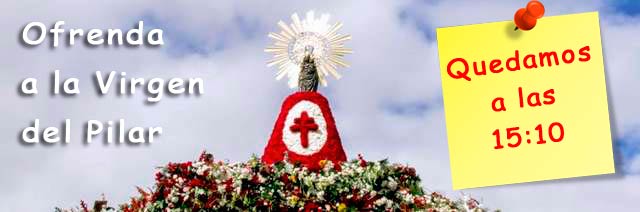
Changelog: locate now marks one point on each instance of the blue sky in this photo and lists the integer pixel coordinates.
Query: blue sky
(626, 7)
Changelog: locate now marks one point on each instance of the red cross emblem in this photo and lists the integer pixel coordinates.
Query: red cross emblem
(303, 124)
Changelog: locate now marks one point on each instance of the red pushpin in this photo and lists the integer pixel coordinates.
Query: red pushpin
(526, 18)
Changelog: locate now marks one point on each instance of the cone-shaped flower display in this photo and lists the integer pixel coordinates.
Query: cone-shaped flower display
(305, 131)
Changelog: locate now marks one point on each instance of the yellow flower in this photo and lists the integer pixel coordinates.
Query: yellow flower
(293, 178)
(322, 163)
(342, 207)
(293, 200)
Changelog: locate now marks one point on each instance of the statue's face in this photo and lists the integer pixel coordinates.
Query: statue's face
(307, 65)
(308, 50)
(308, 62)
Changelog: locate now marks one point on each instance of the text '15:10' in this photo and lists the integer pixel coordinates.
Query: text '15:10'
(515, 136)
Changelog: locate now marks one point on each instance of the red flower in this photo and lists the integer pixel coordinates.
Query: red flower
(228, 185)
(213, 186)
(285, 179)
(135, 204)
(166, 192)
(159, 176)
(472, 203)
(146, 197)
(84, 206)
(266, 170)
(355, 197)
(195, 183)
(310, 206)
(185, 166)
(363, 163)
(205, 157)
(412, 171)
(337, 167)
(261, 203)
(420, 201)
(210, 203)
(171, 167)
(436, 195)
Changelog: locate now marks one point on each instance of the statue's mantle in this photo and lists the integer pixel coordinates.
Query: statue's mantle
(305, 130)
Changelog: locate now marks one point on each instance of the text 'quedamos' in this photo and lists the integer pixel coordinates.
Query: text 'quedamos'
(460, 68)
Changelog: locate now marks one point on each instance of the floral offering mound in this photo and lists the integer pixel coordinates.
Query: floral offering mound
(253, 185)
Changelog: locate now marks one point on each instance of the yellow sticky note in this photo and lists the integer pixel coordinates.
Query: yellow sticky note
(525, 106)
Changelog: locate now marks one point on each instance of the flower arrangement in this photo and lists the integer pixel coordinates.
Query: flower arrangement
(355, 185)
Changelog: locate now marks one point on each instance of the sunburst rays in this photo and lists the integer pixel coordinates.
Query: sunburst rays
(289, 47)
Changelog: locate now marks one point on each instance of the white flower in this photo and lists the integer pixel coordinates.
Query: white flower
(320, 195)
(373, 193)
(392, 184)
(246, 171)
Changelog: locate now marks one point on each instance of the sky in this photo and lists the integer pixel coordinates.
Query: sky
(388, 104)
